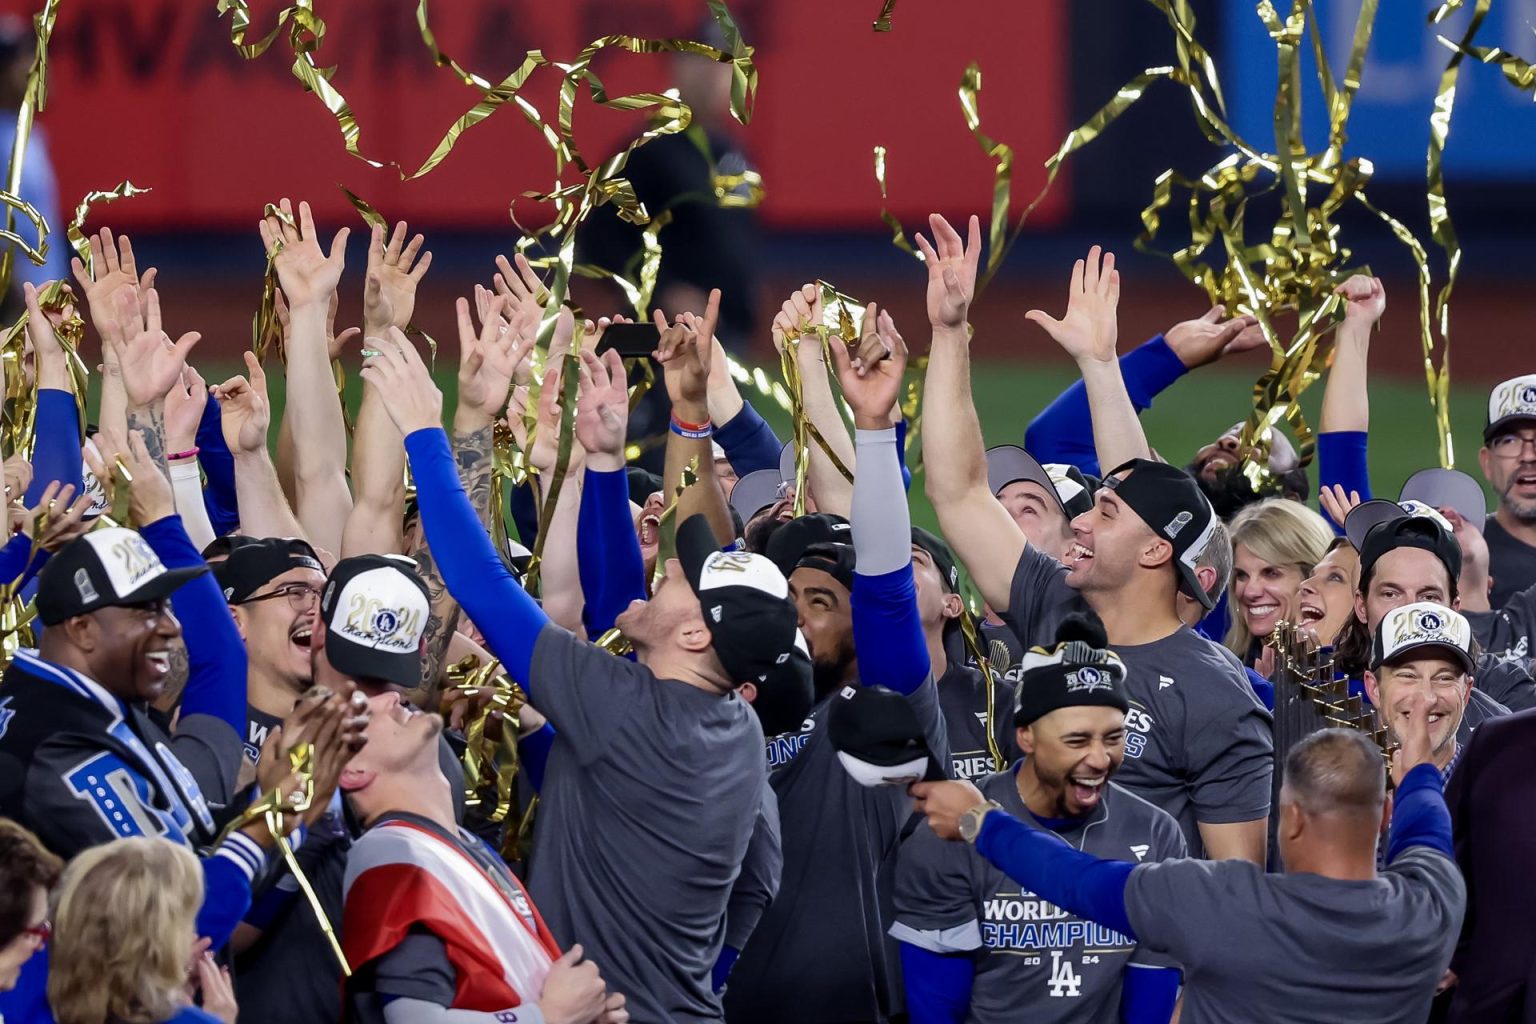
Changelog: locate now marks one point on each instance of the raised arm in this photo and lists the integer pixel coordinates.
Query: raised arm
(1346, 416)
(475, 574)
(832, 491)
(685, 355)
(1087, 333)
(184, 405)
(148, 368)
(746, 438)
(286, 457)
(245, 414)
(378, 460)
(984, 535)
(608, 552)
(309, 277)
(887, 629)
(113, 270)
(56, 443)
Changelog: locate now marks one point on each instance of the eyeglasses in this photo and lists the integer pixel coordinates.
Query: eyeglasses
(300, 596)
(1510, 445)
(39, 933)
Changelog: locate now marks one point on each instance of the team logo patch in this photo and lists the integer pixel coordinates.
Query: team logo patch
(1088, 679)
(1526, 396)
(1177, 524)
(83, 585)
(385, 622)
(1430, 622)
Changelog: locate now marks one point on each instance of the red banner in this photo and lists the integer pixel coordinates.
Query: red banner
(152, 90)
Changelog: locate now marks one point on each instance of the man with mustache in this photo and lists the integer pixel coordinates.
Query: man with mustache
(1508, 461)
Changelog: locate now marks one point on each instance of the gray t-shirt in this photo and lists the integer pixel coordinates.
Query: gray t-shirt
(821, 952)
(963, 699)
(651, 795)
(1037, 964)
(1302, 948)
(1199, 744)
(1511, 563)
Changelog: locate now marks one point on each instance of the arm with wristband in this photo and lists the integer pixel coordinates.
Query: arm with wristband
(685, 354)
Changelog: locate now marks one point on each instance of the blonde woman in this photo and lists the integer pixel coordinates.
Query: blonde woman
(125, 950)
(1275, 544)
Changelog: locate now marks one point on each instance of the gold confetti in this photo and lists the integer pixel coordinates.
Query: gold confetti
(883, 19)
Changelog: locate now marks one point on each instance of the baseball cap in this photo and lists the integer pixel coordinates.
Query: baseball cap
(786, 694)
(1169, 501)
(755, 492)
(745, 600)
(1367, 515)
(100, 506)
(791, 540)
(1514, 399)
(252, 565)
(943, 557)
(1415, 627)
(1429, 533)
(787, 461)
(375, 609)
(1072, 490)
(1448, 488)
(836, 560)
(1077, 670)
(104, 569)
(220, 547)
(642, 483)
(878, 738)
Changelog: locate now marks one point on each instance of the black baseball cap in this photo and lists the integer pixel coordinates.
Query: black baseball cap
(1169, 501)
(1411, 531)
(1077, 670)
(1072, 490)
(791, 540)
(786, 694)
(105, 569)
(375, 609)
(836, 560)
(879, 739)
(254, 563)
(745, 600)
(642, 483)
(943, 557)
(220, 547)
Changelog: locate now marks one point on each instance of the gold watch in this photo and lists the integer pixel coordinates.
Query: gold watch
(970, 821)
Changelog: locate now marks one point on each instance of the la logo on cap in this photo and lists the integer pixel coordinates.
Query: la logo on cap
(1087, 680)
(1515, 397)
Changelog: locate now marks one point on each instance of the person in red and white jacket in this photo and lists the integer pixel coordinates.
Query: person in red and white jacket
(436, 928)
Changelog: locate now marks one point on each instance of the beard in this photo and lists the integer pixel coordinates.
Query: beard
(827, 674)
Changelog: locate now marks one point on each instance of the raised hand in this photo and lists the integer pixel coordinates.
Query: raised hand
(113, 269)
(685, 353)
(799, 312)
(307, 274)
(404, 382)
(952, 268)
(871, 379)
(394, 272)
(1411, 727)
(1209, 338)
(522, 286)
(149, 362)
(184, 405)
(543, 450)
(244, 411)
(1088, 331)
(150, 496)
(487, 362)
(592, 333)
(65, 521)
(1364, 299)
(48, 351)
(1337, 504)
(602, 410)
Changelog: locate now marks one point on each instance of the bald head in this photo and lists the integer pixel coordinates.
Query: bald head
(1336, 772)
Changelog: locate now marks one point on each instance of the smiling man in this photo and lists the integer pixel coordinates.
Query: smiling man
(1423, 648)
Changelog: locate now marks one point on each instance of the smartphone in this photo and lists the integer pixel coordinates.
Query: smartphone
(632, 341)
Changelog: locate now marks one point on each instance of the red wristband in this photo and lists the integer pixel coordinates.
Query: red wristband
(684, 424)
(190, 453)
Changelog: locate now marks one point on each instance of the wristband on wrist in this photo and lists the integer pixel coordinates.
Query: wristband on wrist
(190, 453)
(694, 431)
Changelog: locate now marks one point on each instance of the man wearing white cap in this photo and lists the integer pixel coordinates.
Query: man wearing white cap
(1508, 460)
(1423, 648)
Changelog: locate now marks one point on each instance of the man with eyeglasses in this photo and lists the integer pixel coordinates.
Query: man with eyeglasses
(1508, 460)
(273, 587)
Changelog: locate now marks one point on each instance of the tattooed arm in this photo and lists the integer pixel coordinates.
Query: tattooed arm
(148, 368)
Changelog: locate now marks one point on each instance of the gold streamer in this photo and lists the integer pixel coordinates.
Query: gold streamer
(898, 233)
(490, 766)
(34, 98)
(883, 19)
(1002, 177)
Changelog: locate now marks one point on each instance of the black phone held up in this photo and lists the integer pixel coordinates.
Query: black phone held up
(632, 341)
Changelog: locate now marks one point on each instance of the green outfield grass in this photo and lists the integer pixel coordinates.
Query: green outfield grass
(1188, 415)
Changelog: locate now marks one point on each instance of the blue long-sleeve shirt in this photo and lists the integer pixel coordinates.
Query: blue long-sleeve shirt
(218, 472)
(216, 659)
(56, 448)
(748, 441)
(1342, 460)
(1063, 431)
(612, 568)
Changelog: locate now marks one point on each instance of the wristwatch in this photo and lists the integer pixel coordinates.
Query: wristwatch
(970, 821)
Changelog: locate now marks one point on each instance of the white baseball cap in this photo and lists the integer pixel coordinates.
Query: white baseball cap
(1418, 626)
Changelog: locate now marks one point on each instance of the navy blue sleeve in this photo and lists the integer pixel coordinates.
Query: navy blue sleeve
(749, 442)
(1063, 431)
(216, 659)
(938, 985)
(1419, 815)
(56, 451)
(608, 554)
(901, 454)
(887, 631)
(1262, 688)
(533, 752)
(227, 874)
(1077, 882)
(13, 560)
(218, 465)
(476, 576)
(1148, 994)
(723, 964)
(1342, 460)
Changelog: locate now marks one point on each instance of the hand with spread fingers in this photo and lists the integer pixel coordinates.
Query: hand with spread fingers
(65, 521)
(113, 269)
(543, 449)
(245, 413)
(148, 361)
(1089, 330)
(411, 398)
(1207, 338)
(952, 266)
(394, 273)
(871, 378)
(602, 410)
(518, 282)
(488, 359)
(308, 275)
